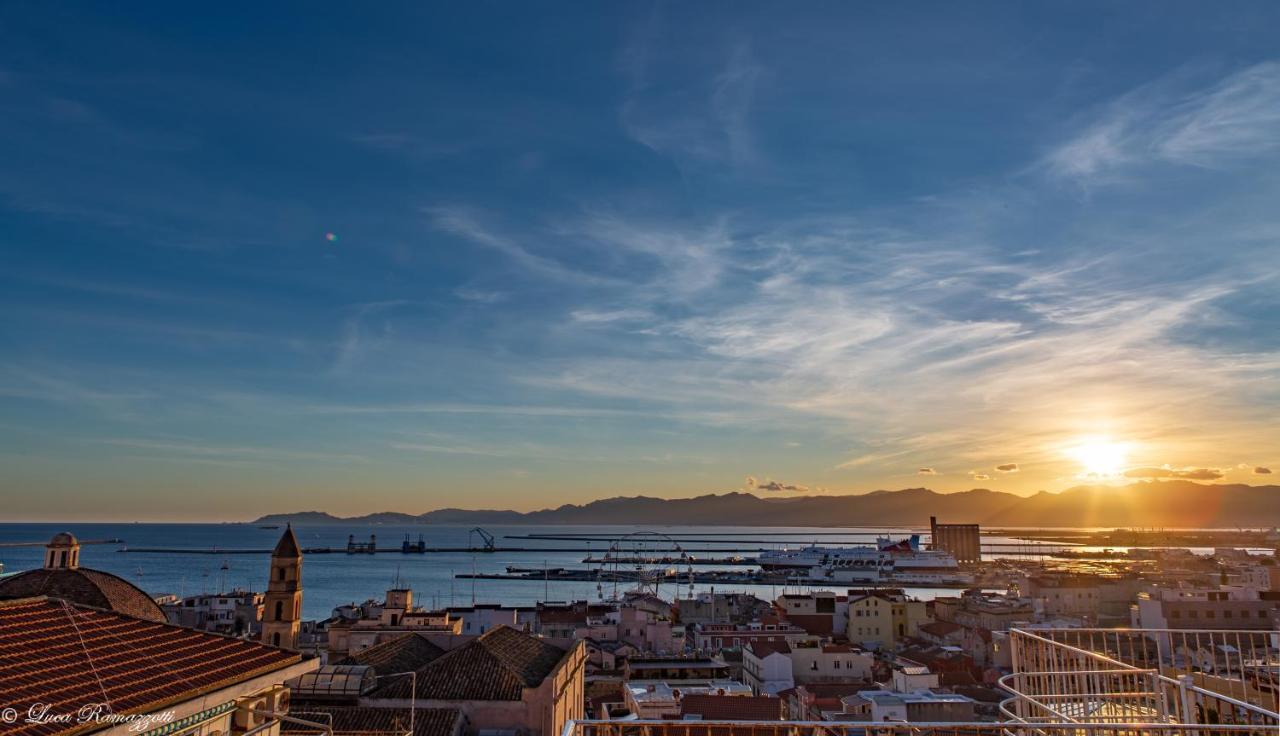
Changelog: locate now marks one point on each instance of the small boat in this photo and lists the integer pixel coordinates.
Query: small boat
(270, 527)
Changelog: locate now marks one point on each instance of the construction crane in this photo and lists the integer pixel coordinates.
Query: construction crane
(486, 537)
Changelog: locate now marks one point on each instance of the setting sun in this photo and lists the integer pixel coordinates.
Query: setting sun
(1101, 456)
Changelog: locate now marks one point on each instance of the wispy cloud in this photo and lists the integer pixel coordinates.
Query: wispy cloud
(1211, 125)
(469, 223)
(609, 316)
(229, 453)
(704, 120)
(513, 409)
(907, 335)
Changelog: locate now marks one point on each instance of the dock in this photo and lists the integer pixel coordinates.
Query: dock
(45, 542)
(726, 577)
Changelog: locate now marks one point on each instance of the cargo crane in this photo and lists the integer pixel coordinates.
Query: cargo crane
(485, 537)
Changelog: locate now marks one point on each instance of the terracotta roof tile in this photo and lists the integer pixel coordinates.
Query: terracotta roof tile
(732, 707)
(365, 720)
(940, 628)
(67, 656)
(497, 665)
(86, 587)
(401, 654)
(821, 624)
(762, 649)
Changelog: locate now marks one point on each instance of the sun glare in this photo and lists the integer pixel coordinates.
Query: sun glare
(1101, 457)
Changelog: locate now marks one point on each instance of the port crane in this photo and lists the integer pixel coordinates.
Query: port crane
(486, 537)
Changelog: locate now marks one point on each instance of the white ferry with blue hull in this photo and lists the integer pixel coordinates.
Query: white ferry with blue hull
(888, 561)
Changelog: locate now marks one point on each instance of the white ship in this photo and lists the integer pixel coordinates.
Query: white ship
(888, 561)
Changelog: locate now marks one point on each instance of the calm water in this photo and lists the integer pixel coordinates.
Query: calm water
(333, 579)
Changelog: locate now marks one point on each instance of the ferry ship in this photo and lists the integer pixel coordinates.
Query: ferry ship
(889, 561)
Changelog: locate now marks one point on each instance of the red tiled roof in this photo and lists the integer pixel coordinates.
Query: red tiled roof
(562, 617)
(732, 707)
(497, 665)
(819, 624)
(365, 720)
(401, 654)
(762, 649)
(86, 587)
(940, 628)
(67, 656)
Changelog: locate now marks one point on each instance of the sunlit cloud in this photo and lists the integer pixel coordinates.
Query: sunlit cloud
(1180, 473)
(755, 484)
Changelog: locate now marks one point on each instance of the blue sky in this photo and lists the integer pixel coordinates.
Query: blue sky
(499, 256)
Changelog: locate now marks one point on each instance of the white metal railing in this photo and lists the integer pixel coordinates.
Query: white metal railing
(864, 728)
(1184, 677)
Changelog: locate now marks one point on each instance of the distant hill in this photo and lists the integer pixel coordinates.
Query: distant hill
(1174, 503)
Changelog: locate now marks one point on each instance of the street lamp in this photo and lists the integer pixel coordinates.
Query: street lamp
(413, 694)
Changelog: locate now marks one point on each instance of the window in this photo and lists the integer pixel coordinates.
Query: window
(279, 610)
(1227, 614)
(280, 573)
(1175, 614)
(1209, 614)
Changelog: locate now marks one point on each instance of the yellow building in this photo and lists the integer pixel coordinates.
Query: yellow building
(883, 617)
(282, 606)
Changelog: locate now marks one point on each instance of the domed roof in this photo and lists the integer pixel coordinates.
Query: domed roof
(86, 587)
(63, 539)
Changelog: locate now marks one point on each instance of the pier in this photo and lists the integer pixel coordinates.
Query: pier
(44, 542)
(710, 577)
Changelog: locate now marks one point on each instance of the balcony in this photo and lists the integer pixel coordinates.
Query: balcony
(1075, 682)
(1183, 677)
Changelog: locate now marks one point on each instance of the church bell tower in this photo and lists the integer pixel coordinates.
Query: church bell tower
(282, 609)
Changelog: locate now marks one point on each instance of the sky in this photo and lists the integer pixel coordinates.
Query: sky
(490, 255)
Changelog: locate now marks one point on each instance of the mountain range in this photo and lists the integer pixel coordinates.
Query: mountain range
(1173, 503)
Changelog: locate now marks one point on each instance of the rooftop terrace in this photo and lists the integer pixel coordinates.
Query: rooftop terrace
(1076, 682)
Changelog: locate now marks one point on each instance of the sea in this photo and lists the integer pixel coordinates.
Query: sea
(210, 558)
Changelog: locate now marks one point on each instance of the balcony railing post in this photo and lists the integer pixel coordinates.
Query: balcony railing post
(1184, 694)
